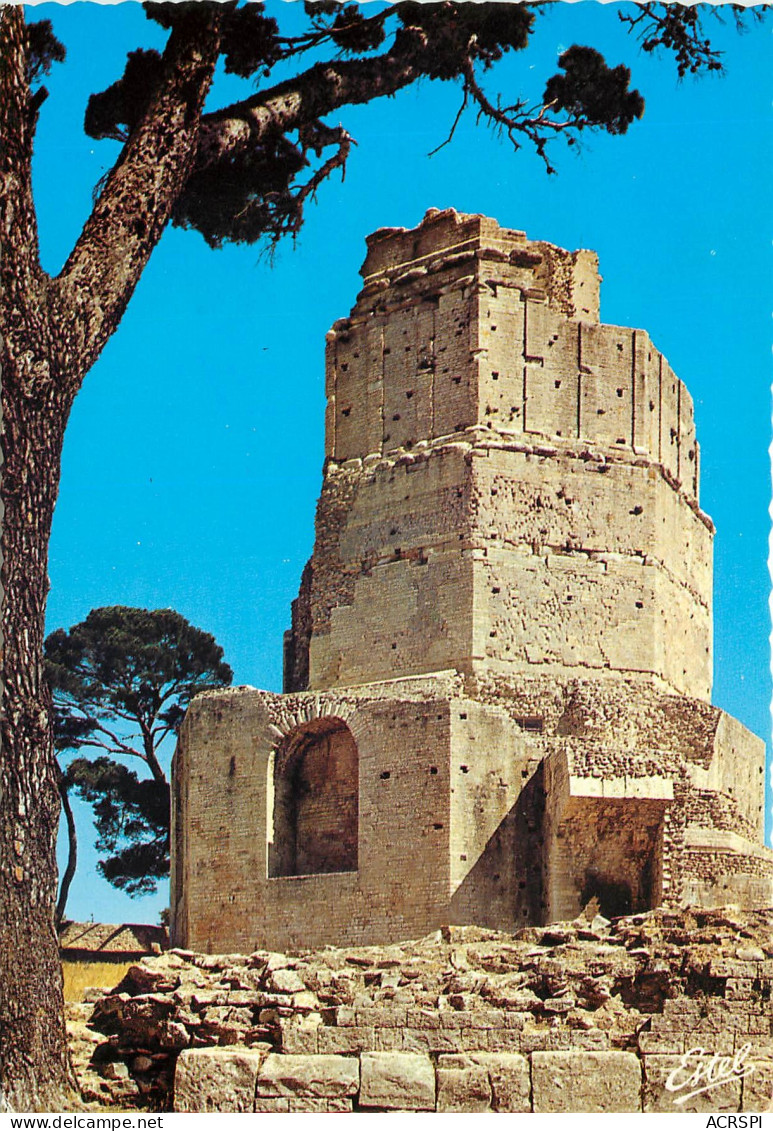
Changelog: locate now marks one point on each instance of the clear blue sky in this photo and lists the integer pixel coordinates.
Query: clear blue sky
(193, 457)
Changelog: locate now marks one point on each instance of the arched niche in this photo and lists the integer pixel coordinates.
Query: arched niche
(314, 802)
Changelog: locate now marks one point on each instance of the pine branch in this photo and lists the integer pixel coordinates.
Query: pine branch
(310, 96)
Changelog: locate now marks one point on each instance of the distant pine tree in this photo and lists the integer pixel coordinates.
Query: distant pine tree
(121, 681)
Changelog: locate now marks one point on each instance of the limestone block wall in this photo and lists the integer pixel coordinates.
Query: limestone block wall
(606, 834)
(588, 566)
(581, 1016)
(384, 811)
(738, 771)
(570, 278)
(722, 867)
(391, 574)
(605, 846)
(472, 554)
(464, 323)
(242, 878)
(444, 822)
(641, 826)
(497, 804)
(562, 1081)
(629, 774)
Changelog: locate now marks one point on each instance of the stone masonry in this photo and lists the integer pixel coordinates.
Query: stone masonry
(497, 699)
(589, 1016)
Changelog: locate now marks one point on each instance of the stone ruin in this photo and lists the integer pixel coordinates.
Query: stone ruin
(497, 701)
(588, 1016)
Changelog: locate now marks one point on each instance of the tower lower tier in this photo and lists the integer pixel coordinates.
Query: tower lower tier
(383, 811)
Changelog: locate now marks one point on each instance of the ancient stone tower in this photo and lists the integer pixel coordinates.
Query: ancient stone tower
(498, 676)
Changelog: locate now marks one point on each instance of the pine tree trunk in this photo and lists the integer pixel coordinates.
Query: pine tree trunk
(34, 1069)
(52, 331)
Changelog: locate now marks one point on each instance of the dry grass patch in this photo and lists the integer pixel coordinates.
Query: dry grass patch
(80, 976)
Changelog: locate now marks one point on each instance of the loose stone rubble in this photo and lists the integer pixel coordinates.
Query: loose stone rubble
(582, 1016)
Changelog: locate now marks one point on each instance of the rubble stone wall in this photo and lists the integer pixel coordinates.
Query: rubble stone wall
(588, 1016)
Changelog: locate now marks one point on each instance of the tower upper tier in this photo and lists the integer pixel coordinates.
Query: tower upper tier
(511, 485)
(463, 323)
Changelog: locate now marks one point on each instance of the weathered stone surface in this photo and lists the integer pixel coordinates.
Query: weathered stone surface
(354, 1039)
(299, 1035)
(462, 1087)
(669, 1087)
(757, 1093)
(115, 1070)
(271, 1104)
(216, 1080)
(308, 1076)
(510, 1081)
(483, 1082)
(432, 1040)
(332, 1104)
(586, 1082)
(307, 1104)
(397, 1081)
(285, 982)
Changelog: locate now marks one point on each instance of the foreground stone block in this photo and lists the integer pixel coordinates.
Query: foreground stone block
(267, 1105)
(657, 1097)
(308, 1076)
(431, 1040)
(510, 1081)
(354, 1039)
(462, 1085)
(331, 1104)
(757, 1094)
(586, 1081)
(397, 1081)
(300, 1036)
(271, 1104)
(216, 1080)
(483, 1081)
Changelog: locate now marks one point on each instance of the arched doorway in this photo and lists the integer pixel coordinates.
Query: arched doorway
(314, 810)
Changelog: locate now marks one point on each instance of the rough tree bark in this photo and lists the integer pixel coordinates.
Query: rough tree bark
(312, 95)
(33, 1058)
